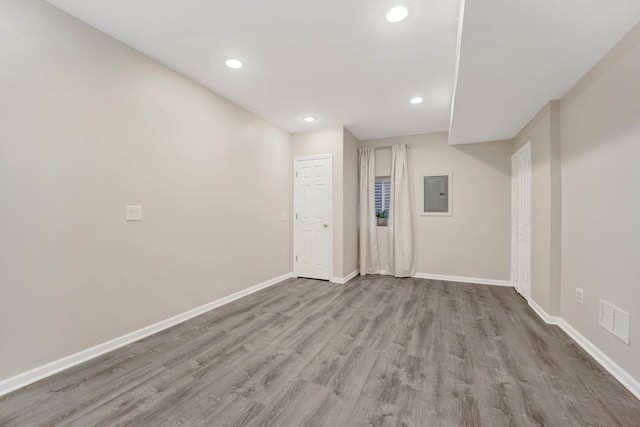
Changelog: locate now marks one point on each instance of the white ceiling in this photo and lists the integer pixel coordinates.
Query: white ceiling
(516, 55)
(341, 61)
(338, 60)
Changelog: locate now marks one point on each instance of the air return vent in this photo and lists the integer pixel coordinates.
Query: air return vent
(614, 320)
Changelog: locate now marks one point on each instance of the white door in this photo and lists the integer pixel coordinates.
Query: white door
(514, 223)
(312, 211)
(521, 220)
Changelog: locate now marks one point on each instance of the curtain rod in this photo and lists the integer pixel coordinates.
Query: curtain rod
(388, 146)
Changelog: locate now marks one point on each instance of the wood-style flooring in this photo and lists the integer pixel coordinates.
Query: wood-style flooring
(377, 351)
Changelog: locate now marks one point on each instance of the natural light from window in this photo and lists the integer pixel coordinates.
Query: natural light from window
(382, 193)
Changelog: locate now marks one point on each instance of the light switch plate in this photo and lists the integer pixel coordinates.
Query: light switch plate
(283, 216)
(134, 213)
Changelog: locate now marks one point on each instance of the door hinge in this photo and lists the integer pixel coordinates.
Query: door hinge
(296, 258)
(296, 216)
(296, 174)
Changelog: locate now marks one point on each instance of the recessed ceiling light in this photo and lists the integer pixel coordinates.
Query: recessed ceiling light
(309, 119)
(233, 63)
(397, 14)
(416, 100)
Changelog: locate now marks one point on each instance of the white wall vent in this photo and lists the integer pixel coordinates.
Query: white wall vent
(614, 320)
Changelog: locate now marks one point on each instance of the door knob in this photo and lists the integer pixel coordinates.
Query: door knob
(325, 225)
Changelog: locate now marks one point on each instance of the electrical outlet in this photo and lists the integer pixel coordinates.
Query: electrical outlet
(134, 213)
(283, 216)
(579, 296)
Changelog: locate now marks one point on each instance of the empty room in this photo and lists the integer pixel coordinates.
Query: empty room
(334, 213)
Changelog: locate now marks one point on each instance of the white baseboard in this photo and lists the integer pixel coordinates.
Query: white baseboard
(551, 320)
(460, 279)
(463, 279)
(612, 367)
(39, 373)
(343, 280)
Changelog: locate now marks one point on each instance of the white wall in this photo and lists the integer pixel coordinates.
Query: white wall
(87, 126)
(600, 151)
(475, 241)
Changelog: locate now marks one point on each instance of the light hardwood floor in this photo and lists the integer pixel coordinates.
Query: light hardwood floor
(376, 351)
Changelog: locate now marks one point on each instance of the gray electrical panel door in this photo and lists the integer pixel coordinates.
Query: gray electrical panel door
(436, 193)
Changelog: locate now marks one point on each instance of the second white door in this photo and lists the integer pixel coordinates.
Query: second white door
(312, 212)
(521, 220)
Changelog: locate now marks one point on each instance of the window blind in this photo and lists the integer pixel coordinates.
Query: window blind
(382, 193)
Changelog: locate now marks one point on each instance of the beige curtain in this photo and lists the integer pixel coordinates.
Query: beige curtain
(369, 262)
(400, 250)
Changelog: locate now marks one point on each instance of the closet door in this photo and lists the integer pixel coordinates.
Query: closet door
(521, 220)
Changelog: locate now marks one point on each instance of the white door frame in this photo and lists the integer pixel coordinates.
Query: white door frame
(295, 227)
(514, 200)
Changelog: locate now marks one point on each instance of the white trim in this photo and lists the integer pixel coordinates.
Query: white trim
(614, 369)
(294, 223)
(343, 280)
(41, 372)
(461, 279)
(551, 320)
(605, 361)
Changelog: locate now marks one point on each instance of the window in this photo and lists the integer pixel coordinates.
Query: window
(382, 192)
(437, 195)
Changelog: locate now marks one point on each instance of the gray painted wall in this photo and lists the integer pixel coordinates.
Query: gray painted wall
(542, 132)
(343, 147)
(328, 141)
(350, 204)
(475, 241)
(600, 143)
(87, 126)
